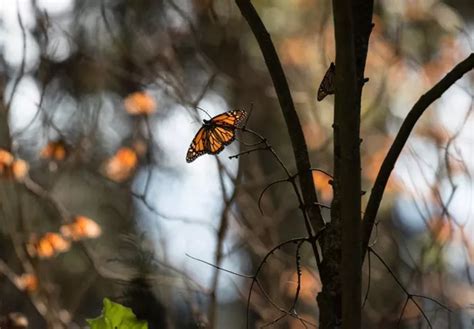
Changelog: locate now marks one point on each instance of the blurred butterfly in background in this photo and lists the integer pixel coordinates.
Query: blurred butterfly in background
(215, 133)
(327, 85)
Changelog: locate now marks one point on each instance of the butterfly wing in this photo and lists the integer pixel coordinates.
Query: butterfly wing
(327, 84)
(219, 132)
(233, 119)
(199, 145)
(220, 136)
(222, 130)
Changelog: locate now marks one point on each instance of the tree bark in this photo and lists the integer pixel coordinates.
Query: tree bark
(352, 24)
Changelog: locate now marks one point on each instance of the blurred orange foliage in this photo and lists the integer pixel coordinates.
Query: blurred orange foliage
(411, 312)
(51, 244)
(28, 282)
(441, 229)
(139, 103)
(372, 161)
(81, 228)
(20, 169)
(315, 135)
(310, 285)
(6, 158)
(382, 53)
(12, 167)
(321, 181)
(297, 51)
(434, 132)
(121, 165)
(55, 150)
(48, 245)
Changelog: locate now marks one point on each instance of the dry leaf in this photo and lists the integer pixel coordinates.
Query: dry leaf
(28, 282)
(20, 169)
(321, 181)
(81, 228)
(6, 158)
(55, 150)
(139, 103)
(49, 245)
(121, 165)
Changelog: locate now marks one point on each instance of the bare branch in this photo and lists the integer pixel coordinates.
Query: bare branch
(254, 278)
(221, 268)
(366, 297)
(22, 65)
(220, 236)
(298, 274)
(305, 208)
(409, 295)
(392, 156)
(265, 189)
(260, 266)
(287, 106)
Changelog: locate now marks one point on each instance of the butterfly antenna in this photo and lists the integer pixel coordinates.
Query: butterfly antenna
(201, 109)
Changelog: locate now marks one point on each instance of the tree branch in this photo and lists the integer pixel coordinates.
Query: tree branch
(295, 131)
(391, 158)
(347, 180)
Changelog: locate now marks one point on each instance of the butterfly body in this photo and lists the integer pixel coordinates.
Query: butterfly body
(215, 134)
(208, 123)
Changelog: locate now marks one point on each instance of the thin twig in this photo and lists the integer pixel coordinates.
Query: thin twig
(220, 236)
(220, 268)
(39, 191)
(402, 311)
(22, 65)
(236, 156)
(305, 209)
(409, 295)
(400, 140)
(298, 274)
(255, 280)
(260, 266)
(321, 171)
(287, 106)
(265, 189)
(366, 297)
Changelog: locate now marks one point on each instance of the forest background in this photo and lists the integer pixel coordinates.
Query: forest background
(99, 103)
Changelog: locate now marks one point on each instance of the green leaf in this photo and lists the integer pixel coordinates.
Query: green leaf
(116, 316)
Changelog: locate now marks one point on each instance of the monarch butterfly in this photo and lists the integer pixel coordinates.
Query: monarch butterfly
(327, 84)
(215, 133)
